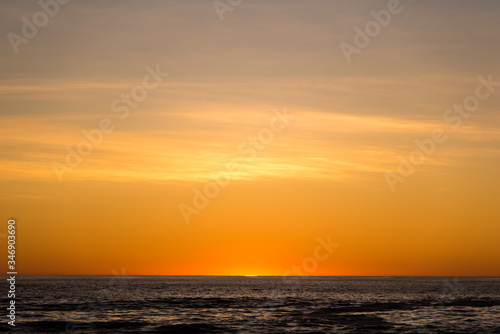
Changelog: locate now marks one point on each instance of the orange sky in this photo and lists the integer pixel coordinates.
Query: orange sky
(322, 174)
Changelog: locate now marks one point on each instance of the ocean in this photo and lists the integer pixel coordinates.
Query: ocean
(205, 304)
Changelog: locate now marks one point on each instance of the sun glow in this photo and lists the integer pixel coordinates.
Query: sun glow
(94, 201)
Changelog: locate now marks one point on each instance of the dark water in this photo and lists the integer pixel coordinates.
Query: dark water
(125, 304)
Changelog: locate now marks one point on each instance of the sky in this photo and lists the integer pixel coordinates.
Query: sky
(123, 121)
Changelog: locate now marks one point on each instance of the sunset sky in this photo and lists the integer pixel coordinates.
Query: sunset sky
(323, 174)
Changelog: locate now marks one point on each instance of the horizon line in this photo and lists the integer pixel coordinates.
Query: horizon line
(253, 276)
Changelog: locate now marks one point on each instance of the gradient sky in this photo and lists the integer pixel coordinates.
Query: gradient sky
(323, 175)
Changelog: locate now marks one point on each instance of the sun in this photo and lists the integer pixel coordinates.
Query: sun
(249, 271)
